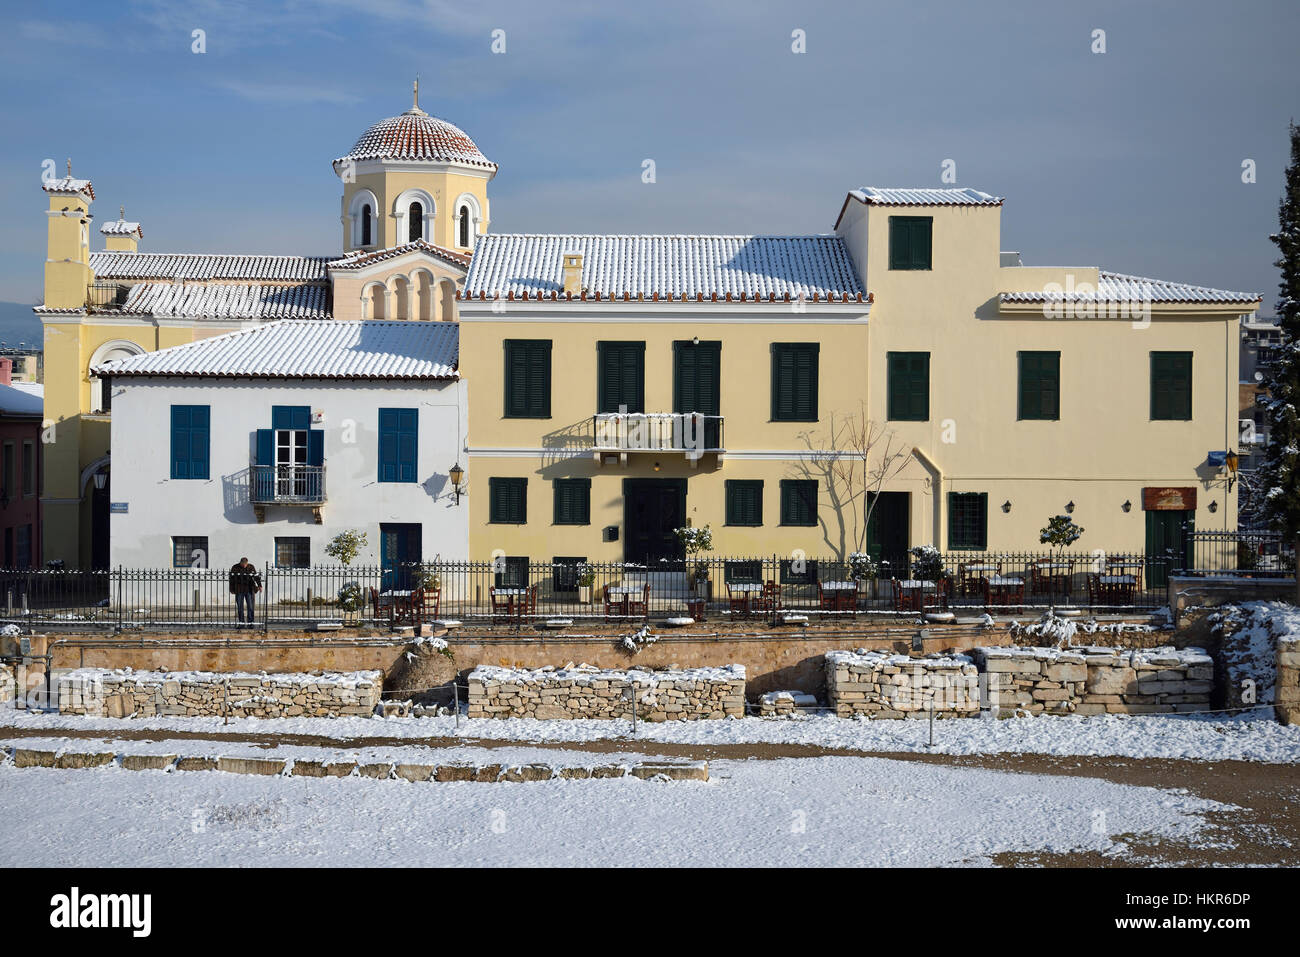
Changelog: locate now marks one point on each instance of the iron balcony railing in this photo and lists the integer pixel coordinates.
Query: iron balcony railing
(106, 296)
(287, 484)
(689, 432)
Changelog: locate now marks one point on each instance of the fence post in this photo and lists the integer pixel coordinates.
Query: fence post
(119, 597)
(266, 598)
(455, 688)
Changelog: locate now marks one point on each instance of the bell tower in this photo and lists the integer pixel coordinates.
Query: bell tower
(67, 256)
(414, 177)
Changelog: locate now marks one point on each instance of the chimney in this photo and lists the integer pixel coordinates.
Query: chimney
(573, 274)
(122, 236)
(6, 371)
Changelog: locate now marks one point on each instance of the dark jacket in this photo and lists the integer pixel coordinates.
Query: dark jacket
(244, 580)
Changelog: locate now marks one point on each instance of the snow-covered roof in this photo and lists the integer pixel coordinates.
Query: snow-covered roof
(360, 260)
(895, 196)
(69, 184)
(676, 267)
(308, 349)
(228, 301)
(22, 398)
(415, 135)
(127, 265)
(121, 227)
(1118, 287)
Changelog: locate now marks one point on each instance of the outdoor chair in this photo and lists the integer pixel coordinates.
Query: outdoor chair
(615, 605)
(826, 600)
(769, 599)
(737, 601)
(501, 605)
(1051, 576)
(639, 607)
(426, 602)
(1004, 593)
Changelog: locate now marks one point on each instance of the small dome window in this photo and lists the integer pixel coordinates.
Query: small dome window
(464, 227)
(365, 225)
(415, 222)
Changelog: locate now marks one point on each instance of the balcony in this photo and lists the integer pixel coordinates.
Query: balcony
(286, 485)
(690, 433)
(106, 296)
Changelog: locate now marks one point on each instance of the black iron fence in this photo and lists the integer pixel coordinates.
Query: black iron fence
(515, 590)
(1253, 554)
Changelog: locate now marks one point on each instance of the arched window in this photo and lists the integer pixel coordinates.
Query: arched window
(464, 227)
(365, 225)
(415, 222)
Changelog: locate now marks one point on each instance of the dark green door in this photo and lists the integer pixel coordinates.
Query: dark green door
(652, 510)
(697, 384)
(887, 532)
(399, 549)
(1169, 540)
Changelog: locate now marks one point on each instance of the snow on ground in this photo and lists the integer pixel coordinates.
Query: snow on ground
(812, 811)
(1252, 630)
(1253, 736)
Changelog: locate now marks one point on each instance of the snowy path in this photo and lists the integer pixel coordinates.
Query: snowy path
(1254, 736)
(809, 812)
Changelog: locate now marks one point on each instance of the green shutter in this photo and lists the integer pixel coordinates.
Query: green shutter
(528, 378)
(744, 501)
(1040, 385)
(572, 501)
(1171, 385)
(908, 386)
(910, 242)
(799, 502)
(794, 381)
(508, 501)
(620, 376)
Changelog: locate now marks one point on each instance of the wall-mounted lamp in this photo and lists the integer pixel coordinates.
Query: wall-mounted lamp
(1006, 506)
(1127, 506)
(457, 474)
(1231, 461)
(656, 466)
(1214, 507)
(1069, 508)
(101, 479)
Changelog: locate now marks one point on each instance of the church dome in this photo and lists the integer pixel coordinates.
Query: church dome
(415, 135)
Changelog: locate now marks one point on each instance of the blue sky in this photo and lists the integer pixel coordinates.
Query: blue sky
(1128, 159)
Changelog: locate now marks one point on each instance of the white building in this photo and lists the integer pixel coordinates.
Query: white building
(268, 441)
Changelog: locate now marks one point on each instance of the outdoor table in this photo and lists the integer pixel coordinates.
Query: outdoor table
(626, 591)
(398, 603)
(913, 591)
(843, 594)
(746, 591)
(1005, 590)
(1048, 577)
(516, 598)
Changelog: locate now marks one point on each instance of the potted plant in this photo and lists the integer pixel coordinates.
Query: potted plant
(863, 570)
(694, 541)
(586, 579)
(344, 547)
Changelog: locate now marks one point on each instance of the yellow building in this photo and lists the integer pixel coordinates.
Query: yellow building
(992, 394)
(414, 204)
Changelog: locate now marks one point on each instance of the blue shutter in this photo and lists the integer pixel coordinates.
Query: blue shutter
(315, 447)
(265, 447)
(407, 443)
(200, 440)
(180, 442)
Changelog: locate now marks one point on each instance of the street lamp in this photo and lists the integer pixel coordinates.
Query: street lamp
(456, 475)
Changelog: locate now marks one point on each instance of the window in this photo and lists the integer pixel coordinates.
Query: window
(414, 222)
(528, 378)
(968, 521)
(564, 573)
(189, 551)
(191, 431)
(508, 501)
(29, 468)
(1040, 385)
(398, 444)
(744, 501)
(794, 381)
(1171, 385)
(23, 559)
(572, 501)
(292, 552)
(909, 241)
(365, 225)
(798, 501)
(909, 386)
(464, 227)
(512, 572)
(9, 475)
(620, 385)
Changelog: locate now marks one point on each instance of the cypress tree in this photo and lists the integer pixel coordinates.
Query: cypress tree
(1279, 478)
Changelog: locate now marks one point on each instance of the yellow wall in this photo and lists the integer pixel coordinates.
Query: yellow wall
(745, 407)
(445, 186)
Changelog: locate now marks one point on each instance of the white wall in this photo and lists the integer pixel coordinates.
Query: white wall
(160, 507)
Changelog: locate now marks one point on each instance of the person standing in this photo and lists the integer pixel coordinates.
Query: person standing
(245, 583)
